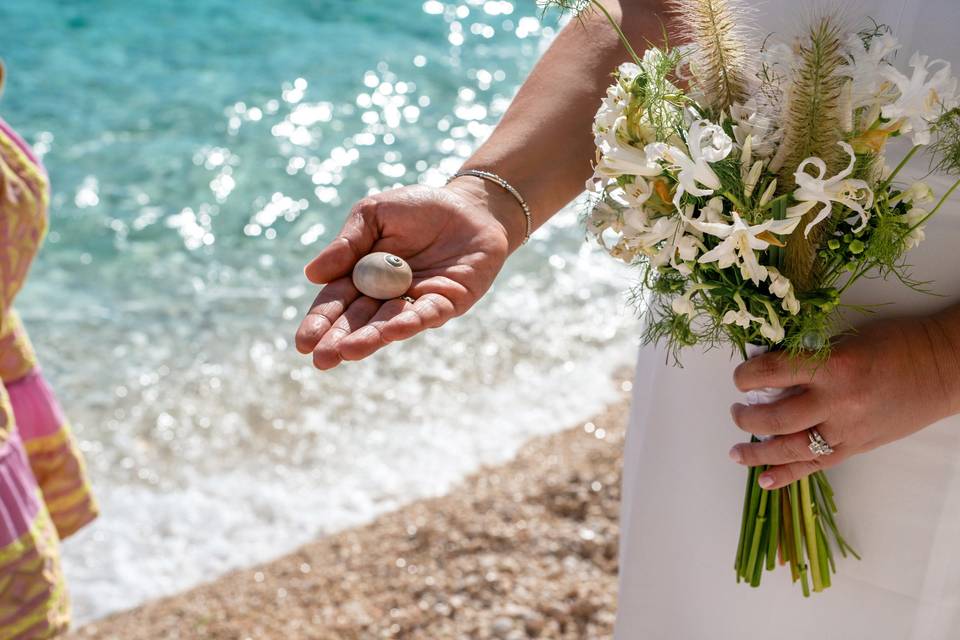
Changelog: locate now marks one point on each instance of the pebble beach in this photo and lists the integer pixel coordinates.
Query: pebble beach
(526, 549)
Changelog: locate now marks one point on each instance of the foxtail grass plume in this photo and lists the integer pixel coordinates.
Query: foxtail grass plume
(720, 59)
(813, 122)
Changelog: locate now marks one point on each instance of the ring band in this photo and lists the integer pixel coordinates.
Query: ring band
(818, 446)
(407, 298)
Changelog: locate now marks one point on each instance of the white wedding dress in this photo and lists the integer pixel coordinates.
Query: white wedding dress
(899, 504)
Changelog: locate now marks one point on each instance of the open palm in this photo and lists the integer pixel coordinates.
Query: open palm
(453, 243)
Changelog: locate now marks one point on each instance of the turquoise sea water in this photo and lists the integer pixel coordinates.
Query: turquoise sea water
(200, 152)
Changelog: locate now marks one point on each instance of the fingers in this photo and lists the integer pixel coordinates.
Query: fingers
(329, 304)
(397, 320)
(780, 450)
(369, 338)
(788, 415)
(774, 369)
(782, 475)
(355, 240)
(326, 354)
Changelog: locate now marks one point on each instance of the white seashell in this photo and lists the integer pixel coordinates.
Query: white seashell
(382, 275)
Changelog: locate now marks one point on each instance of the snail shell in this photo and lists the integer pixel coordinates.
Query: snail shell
(382, 275)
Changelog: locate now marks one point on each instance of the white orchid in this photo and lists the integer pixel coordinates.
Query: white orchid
(770, 327)
(620, 158)
(611, 109)
(750, 123)
(637, 192)
(615, 102)
(713, 212)
(679, 247)
(813, 190)
(628, 72)
(918, 193)
(912, 219)
(867, 68)
(921, 100)
(601, 218)
(706, 143)
(741, 317)
(740, 242)
(781, 287)
(682, 305)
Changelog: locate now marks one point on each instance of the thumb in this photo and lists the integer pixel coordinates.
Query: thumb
(354, 241)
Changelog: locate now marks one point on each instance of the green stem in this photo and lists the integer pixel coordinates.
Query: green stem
(822, 553)
(886, 183)
(751, 479)
(798, 536)
(810, 533)
(823, 533)
(774, 538)
(758, 531)
(751, 531)
(758, 565)
(786, 540)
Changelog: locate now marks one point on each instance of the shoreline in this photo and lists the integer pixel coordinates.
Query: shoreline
(525, 549)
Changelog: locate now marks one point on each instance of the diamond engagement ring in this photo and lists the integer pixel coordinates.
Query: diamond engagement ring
(817, 444)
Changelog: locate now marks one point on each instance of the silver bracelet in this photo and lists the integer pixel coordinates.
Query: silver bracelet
(492, 177)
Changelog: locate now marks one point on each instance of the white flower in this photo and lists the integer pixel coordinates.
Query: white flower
(771, 329)
(768, 193)
(781, 287)
(620, 158)
(868, 68)
(918, 193)
(682, 305)
(813, 190)
(707, 143)
(611, 109)
(741, 318)
(739, 243)
(911, 218)
(637, 192)
(635, 222)
(750, 123)
(615, 102)
(678, 246)
(628, 71)
(601, 218)
(713, 212)
(921, 100)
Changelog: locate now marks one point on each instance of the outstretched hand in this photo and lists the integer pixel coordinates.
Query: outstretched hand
(454, 244)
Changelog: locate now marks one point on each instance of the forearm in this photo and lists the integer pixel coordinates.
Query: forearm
(943, 333)
(543, 145)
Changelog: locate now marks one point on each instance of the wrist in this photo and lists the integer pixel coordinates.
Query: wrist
(502, 206)
(943, 335)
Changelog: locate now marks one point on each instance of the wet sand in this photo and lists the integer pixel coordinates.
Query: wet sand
(527, 549)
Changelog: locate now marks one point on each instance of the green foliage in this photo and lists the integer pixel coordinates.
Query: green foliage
(945, 150)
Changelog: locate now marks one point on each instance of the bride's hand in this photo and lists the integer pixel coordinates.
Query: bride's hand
(884, 383)
(455, 239)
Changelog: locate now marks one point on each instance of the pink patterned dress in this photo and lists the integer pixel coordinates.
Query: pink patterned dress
(44, 493)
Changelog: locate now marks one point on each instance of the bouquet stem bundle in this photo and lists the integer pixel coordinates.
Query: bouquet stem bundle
(792, 525)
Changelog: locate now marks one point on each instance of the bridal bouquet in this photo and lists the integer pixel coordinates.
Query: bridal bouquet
(749, 181)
